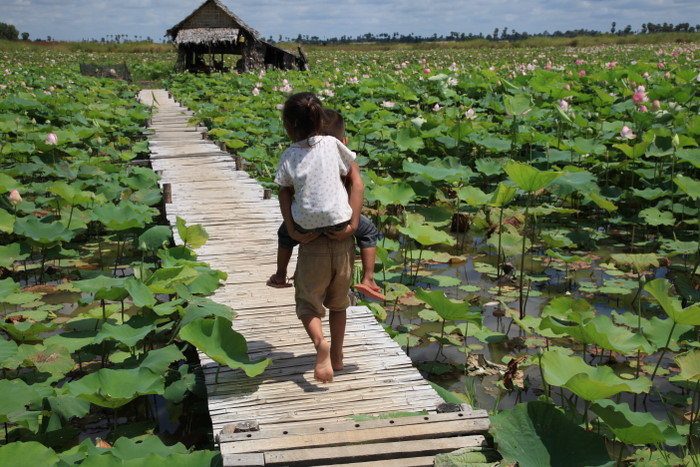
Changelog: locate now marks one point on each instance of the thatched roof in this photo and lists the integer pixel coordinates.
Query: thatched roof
(199, 21)
(206, 35)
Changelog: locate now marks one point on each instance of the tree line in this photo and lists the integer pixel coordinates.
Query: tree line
(504, 34)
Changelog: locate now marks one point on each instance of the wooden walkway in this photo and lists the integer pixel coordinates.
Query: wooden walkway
(300, 421)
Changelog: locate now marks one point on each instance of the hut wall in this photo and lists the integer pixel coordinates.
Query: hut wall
(210, 16)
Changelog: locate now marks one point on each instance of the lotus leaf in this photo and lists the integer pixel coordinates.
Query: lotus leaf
(68, 407)
(104, 287)
(654, 217)
(18, 453)
(602, 202)
(207, 282)
(127, 333)
(159, 360)
(42, 233)
(140, 294)
(221, 343)
(446, 308)
(587, 382)
(473, 196)
(407, 140)
(635, 427)
(164, 280)
(425, 234)
(72, 340)
(27, 331)
(640, 262)
(396, 193)
(124, 216)
(502, 195)
(537, 434)
(660, 290)
(690, 186)
(441, 281)
(72, 193)
(114, 388)
(19, 397)
(155, 238)
(689, 363)
(193, 236)
(434, 172)
(7, 221)
(529, 178)
(51, 358)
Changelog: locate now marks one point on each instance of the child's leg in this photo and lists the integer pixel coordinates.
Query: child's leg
(337, 321)
(323, 371)
(285, 247)
(367, 236)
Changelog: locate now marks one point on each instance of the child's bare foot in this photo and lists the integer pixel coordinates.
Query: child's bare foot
(337, 359)
(323, 371)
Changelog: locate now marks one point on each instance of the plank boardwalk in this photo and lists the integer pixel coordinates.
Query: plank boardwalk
(300, 421)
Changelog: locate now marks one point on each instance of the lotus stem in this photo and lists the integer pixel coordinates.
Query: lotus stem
(663, 352)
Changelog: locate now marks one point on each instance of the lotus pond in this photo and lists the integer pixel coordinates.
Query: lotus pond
(540, 250)
(540, 219)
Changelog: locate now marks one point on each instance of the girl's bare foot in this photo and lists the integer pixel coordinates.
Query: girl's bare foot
(337, 359)
(323, 371)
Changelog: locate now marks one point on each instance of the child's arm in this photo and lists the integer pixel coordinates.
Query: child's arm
(356, 188)
(285, 198)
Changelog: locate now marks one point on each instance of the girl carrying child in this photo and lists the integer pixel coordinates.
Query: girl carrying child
(318, 214)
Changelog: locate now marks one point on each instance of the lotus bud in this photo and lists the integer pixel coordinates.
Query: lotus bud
(15, 198)
(656, 105)
(52, 139)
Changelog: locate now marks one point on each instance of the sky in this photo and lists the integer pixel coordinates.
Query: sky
(75, 20)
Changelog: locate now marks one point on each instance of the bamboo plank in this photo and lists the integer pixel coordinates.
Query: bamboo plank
(339, 454)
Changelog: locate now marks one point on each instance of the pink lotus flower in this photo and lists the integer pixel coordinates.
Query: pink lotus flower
(15, 198)
(563, 105)
(436, 107)
(643, 108)
(255, 91)
(640, 95)
(660, 65)
(567, 87)
(656, 105)
(470, 114)
(388, 104)
(582, 73)
(626, 133)
(51, 139)
(580, 61)
(611, 65)
(426, 71)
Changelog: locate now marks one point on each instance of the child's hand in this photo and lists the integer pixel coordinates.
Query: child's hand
(348, 231)
(303, 237)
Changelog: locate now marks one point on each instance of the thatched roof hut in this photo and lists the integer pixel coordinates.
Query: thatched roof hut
(213, 29)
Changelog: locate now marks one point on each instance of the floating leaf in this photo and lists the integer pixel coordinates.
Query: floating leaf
(537, 434)
(635, 427)
(396, 193)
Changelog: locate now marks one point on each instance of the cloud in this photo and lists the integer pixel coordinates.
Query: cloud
(77, 19)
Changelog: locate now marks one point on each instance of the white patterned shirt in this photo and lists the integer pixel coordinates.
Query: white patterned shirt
(313, 167)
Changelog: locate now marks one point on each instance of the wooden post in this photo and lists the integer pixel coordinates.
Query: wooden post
(222, 146)
(267, 193)
(167, 193)
(205, 134)
(239, 162)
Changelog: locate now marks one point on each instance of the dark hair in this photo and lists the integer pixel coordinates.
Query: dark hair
(333, 124)
(303, 115)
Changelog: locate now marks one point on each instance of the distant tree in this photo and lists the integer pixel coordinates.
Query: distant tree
(612, 28)
(25, 36)
(8, 32)
(495, 33)
(504, 33)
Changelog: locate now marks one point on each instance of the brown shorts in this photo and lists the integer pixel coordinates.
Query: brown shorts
(322, 278)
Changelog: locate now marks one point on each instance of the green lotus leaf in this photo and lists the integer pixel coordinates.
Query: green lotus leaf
(406, 140)
(654, 217)
(193, 236)
(441, 281)
(690, 155)
(537, 434)
(11, 253)
(18, 453)
(660, 289)
(502, 195)
(72, 340)
(115, 388)
(128, 334)
(164, 280)
(587, 146)
(603, 332)
(159, 360)
(473, 196)
(72, 193)
(690, 186)
(492, 142)
(640, 261)
(446, 308)
(52, 359)
(207, 282)
(517, 105)
(221, 343)
(434, 172)
(124, 216)
(42, 233)
(27, 331)
(140, 178)
(587, 382)
(8, 352)
(178, 389)
(574, 180)
(17, 398)
(68, 407)
(140, 294)
(397, 193)
(104, 287)
(529, 178)
(156, 237)
(636, 427)
(511, 241)
(689, 363)
(8, 184)
(424, 234)
(489, 167)
(602, 202)
(649, 194)
(7, 221)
